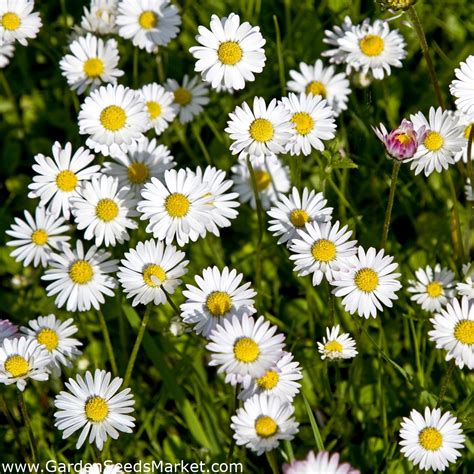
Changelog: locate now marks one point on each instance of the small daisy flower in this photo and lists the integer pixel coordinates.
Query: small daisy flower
(466, 287)
(35, 238)
(279, 381)
(58, 179)
(104, 211)
(230, 53)
(431, 441)
(114, 117)
(367, 283)
(321, 81)
(190, 97)
(443, 138)
(263, 422)
(218, 296)
(22, 359)
(462, 88)
(467, 123)
(453, 330)
(321, 250)
(100, 17)
(262, 130)
(148, 23)
(151, 270)
(93, 405)
(92, 63)
(245, 348)
(322, 463)
(7, 50)
(7, 330)
(337, 346)
(271, 176)
(432, 288)
(160, 106)
(18, 21)
(80, 280)
(55, 336)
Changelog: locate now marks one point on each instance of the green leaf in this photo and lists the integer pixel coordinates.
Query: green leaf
(314, 426)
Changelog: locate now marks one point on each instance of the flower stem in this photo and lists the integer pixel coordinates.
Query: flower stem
(108, 343)
(135, 67)
(281, 65)
(29, 429)
(457, 222)
(233, 408)
(11, 422)
(446, 380)
(272, 461)
(391, 198)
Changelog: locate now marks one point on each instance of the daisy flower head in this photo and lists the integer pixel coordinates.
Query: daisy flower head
(262, 130)
(100, 17)
(321, 249)
(150, 271)
(230, 53)
(7, 330)
(271, 176)
(466, 122)
(218, 296)
(160, 106)
(190, 97)
(443, 138)
(432, 288)
(453, 331)
(91, 63)
(80, 279)
(432, 440)
(22, 359)
(367, 282)
(322, 463)
(462, 88)
(114, 117)
(263, 422)
(18, 21)
(148, 23)
(58, 179)
(337, 346)
(35, 238)
(321, 81)
(466, 287)
(7, 50)
(55, 336)
(92, 404)
(280, 381)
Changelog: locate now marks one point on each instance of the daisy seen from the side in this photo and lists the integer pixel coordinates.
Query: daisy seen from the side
(100, 17)
(337, 346)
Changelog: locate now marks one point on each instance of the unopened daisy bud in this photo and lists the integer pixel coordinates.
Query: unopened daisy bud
(396, 4)
(177, 327)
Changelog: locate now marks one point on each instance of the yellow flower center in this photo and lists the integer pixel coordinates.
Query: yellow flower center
(177, 205)
(81, 272)
(263, 180)
(113, 118)
(96, 409)
(106, 210)
(17, 366)
(434, 289)
(333, 346)
(372, 45)
(229, 53)
(467, 131)
(430, 439)
(269, 380)
(66, 181)
(11, 21)
(304, 123)
(48, 338)
(219, 303)
(138, 173)
(246, 350)
(93, 67)
(148, 20)
(316, 88)
(433, 141)
(261, 130)
(155, 271)
(265, 426)
(323, 250)
(464, 331)
(39, 237)
(299, 217)
(366, 280)
(154, 109)
(182, 96)
(403, 138)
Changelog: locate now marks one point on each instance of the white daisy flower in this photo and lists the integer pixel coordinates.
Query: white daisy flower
(271, 176)
(467, 123)
(279, 381)
(176, 208)
(263, 422)
(148, 23)
(321, 250)
(35, 238)
(104, 211)
(453, 330)
(22, 359)
(7, 50)
(337, 346)
(93, 405)
(151, 270)
(321, 81)
(59, 178)
(80, 280)
(432, 288)
(7, 330)
(114, 117)
(100, 17)
(462, 88)
(190, 97)
(230, 52)
(218, 296)
(18, 21)
(367, 283)
(262, 130)
(442, 140)
(55, 336)
(92, 63)
(431, 441)
(160, 106)
(144, 160)
(322, 463)
(466, 287)
(245, 348)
